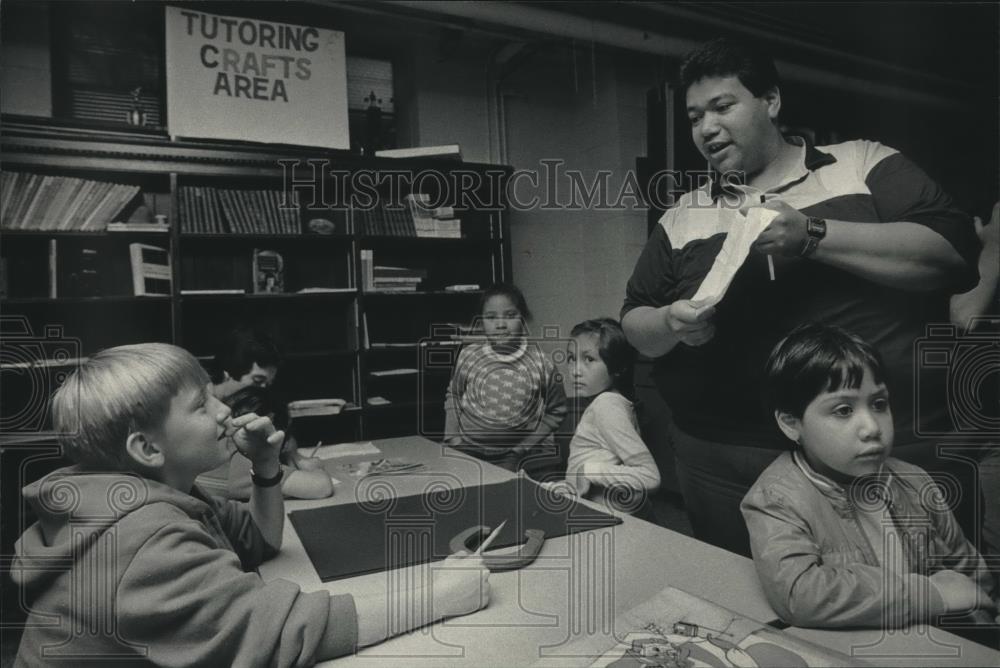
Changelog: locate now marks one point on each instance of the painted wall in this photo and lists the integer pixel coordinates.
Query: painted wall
(25, 63)
(573, 262)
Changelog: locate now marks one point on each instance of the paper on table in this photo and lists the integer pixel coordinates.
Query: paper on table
(366, 448)
(731, 256)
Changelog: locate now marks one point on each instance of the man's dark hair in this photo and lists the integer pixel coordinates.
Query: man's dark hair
(615, 351)
(724, 57)
(813, 359)
(240, 349)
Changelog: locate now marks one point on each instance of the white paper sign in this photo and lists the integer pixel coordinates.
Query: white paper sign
(253, 80)
(734, 252)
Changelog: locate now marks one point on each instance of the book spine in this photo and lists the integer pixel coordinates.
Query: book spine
(183, 215)
(87, 203)
(242, 213)
(15, 185)
(62, 214)
(53, 269)
(28, 221)
(73, 203)
(45, 215)
(215, 219)
(98, 206)
(229, 209)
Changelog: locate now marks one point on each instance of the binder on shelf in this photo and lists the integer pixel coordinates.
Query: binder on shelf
(150, 269)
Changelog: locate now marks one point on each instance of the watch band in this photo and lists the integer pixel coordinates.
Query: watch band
(266, 482)
(815, 231)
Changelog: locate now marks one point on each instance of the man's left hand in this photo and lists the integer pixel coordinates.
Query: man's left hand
(786, 235)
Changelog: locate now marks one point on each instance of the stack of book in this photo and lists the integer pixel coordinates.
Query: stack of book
(36, 202)
(388, 279)
(415, 218)
(437, 222)
(397, 279)
(205, 210)
(385, 221)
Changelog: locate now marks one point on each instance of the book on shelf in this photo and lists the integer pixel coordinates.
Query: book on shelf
(313, 407)
(321, 290)
(53, 269)
(367, 270)
(210, 210)
(37, 202)
(398, 273)
(397, 278)
(383, 373)
(138, 227)
(445, 151)
(215, 291)
(81, 268)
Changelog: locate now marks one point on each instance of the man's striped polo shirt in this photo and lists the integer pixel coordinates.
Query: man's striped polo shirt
(714, 390)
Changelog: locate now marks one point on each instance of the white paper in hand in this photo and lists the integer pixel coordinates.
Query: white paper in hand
(734, 252)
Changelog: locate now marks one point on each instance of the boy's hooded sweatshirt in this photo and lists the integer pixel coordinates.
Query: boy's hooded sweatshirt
(119, 567)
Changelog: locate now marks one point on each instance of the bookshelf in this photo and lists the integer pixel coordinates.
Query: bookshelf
(356, 287)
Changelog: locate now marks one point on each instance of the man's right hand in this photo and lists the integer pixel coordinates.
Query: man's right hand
(690, 323)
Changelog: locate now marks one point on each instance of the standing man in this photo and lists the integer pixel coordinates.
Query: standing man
(863, 239)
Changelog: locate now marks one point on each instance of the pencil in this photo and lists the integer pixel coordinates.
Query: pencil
(489, 539)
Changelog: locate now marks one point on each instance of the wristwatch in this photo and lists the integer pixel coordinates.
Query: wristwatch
(266, 482)
(815, 231)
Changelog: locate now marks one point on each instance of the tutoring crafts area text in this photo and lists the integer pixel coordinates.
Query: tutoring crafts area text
(246, 79)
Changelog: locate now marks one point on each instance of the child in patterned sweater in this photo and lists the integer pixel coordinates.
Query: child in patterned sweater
(608, 461)
(505, 398)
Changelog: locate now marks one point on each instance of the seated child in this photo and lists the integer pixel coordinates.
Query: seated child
(303, 477)
(505, 400)
(608, 460)
(842, 534)
(130, 560)
(245, 357)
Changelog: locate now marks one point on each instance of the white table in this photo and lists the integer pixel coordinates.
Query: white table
(573, 590)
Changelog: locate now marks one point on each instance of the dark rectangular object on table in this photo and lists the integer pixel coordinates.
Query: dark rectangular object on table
(386, 532)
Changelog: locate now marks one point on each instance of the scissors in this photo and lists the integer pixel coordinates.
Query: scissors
(474, 538)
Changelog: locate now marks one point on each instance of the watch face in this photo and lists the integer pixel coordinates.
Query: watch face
(816, 227)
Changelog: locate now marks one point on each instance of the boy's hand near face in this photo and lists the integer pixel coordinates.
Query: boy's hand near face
(256, 439)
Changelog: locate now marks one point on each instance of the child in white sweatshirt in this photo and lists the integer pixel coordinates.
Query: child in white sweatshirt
(608, 460)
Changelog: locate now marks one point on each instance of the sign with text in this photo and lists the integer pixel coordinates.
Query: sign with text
(253, 80)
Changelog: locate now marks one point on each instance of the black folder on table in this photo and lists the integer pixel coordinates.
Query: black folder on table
(388, 532)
